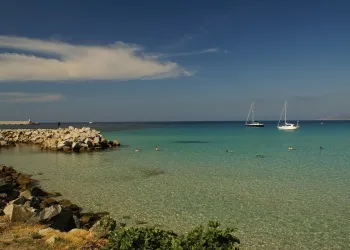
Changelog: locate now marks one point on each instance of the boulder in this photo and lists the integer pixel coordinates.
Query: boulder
(75, 146)
(96, 140)
(38, 192)
(27, 194)
(103, 227)
(23, 179)
(3, 143)
(34, 202)
(64, 221)
(71, 128)
(18, 213)
(116, 143)
(19, 201)
(50, 212)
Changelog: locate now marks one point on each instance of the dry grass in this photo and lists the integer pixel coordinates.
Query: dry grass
(23, 236)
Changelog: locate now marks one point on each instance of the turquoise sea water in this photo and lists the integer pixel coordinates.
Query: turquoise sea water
(285, 199)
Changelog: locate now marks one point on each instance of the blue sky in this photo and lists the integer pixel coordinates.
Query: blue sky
(173, 60)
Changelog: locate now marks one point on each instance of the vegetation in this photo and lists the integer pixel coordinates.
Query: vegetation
(154, 238)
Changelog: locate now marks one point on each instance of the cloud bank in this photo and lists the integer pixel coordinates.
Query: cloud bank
(28, 97)
(43, 60)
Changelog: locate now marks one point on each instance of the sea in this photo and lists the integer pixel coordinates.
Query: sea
(245, 178)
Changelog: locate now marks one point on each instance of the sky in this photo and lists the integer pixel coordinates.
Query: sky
(173, 60)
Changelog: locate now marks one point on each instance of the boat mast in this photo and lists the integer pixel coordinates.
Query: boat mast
(253, 112)
(250, 110)
(285, 113)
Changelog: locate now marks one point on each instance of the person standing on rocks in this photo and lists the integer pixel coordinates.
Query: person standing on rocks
(59, 125)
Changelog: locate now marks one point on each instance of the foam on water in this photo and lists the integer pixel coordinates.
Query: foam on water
(278, 199)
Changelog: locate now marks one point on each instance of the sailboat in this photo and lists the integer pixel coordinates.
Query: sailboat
(252, 123)
(286, 125)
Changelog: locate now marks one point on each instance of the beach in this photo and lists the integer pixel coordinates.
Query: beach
(280, 200)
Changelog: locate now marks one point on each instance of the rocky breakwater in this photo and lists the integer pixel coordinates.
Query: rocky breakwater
(22, 200)
(69, 140)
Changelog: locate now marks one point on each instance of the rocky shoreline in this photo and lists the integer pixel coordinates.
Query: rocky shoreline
(23, 200)
(68, 140)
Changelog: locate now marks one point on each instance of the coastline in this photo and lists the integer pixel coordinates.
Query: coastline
(31, 218)
(26, 207)
(68, 139)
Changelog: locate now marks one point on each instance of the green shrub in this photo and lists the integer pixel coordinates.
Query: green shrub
(153, 238)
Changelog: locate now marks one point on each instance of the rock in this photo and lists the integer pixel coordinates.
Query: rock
(64, 221)
(13, 194)
(3, 196)
(38, 192)
(3, 143)
(50, 212)
(75, 146)
(5, 187)
(103, 227)
(89, 143)
(34, 202)
(19, 201)
(116, 143)
(96, 140)
(71, 128)
(27, 194)
(18, 213)
(67, 144)
(23, 179)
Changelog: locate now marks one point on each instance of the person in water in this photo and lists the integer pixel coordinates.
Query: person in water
(291, 148)
(137, 150)
(157, 148)
(321, 148)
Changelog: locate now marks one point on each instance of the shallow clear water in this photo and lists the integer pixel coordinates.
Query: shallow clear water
(286, 200)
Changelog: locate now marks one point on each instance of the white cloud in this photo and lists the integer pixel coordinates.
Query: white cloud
(192, 53)
(118, 61)
(28, 97)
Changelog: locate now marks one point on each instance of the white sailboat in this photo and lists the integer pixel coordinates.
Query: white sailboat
(286, 125)
(252, 123)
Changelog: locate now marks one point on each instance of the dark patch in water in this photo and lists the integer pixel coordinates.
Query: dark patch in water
(126, 217)
(152, 172)
(140, 222)
(189, 142)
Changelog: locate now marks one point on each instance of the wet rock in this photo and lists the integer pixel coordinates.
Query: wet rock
(103, 227)
(116, 143)
(38, 192)
(23, 179)
(18, 213)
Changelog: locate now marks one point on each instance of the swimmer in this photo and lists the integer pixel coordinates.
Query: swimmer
(321, 148)
(157, 148)
(136, 150)
(291, 148)
(229, 151)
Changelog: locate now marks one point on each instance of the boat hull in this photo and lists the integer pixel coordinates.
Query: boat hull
(288, 127)
(255, 125)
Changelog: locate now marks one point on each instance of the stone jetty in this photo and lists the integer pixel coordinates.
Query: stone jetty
(69, 139)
